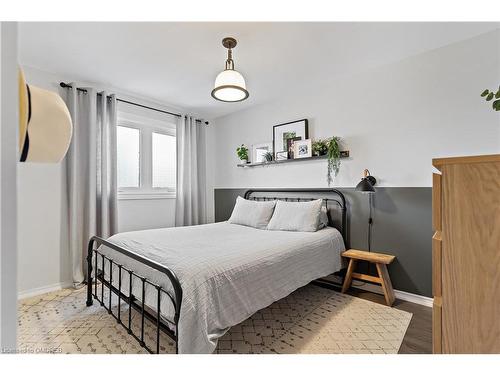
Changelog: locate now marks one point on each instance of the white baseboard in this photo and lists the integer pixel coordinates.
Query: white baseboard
(44, 289)
(399, 294)
(415, 298)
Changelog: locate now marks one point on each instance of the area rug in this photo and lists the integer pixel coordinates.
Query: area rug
(310, 320)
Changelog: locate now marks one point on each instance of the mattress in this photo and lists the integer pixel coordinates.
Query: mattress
(227, 272)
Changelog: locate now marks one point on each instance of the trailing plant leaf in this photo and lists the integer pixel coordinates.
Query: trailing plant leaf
(333, 155)
(489, 95)
(496, 105)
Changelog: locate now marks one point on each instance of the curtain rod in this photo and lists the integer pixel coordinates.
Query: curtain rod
(66, 86)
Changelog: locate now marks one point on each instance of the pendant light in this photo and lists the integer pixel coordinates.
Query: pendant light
(230, 84)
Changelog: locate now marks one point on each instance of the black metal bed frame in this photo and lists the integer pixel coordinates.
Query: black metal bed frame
(171, 327)
(130, 299)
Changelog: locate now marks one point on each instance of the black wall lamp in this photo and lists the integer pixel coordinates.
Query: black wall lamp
(367, 182)
(366, 186)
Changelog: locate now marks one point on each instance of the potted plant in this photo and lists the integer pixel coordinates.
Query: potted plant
(268, 156)
(333, 155)
(242, 152)
(489, 95)
(319, 147)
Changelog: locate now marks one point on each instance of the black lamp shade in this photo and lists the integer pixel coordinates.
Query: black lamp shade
(366, 185)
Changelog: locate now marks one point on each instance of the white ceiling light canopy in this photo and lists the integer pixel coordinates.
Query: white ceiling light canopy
(230, 85)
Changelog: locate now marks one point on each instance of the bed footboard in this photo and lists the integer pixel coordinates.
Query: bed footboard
(105, 278)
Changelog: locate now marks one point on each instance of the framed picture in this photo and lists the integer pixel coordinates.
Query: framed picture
(259, 151)
(302, 149)
(282, 155)
(290, 148)
(288, 130)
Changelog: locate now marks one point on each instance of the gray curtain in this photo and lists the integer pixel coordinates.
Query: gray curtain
(91, 172)
(190, 208)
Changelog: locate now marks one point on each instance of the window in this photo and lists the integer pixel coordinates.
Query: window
(146, 159)
(164, 161)
(127, 149)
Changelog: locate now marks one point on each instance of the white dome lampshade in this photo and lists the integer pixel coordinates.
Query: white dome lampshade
(230, 85)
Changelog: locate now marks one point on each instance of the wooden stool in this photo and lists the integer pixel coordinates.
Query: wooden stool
(380, 260)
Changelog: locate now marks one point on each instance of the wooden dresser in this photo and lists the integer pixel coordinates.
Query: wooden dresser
(466, 255)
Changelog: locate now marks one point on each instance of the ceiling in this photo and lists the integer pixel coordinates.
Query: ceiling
(177, 63)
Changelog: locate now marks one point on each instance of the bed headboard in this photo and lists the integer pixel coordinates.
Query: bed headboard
(333, 200)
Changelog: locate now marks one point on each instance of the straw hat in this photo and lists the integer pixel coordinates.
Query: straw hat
(45, 126)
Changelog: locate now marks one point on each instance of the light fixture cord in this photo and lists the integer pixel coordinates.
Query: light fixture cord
(370, 223)
(229, 61)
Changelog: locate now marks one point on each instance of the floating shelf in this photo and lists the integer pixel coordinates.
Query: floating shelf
(343, 154)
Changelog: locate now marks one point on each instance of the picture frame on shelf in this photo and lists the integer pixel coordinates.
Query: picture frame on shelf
(290, 146)
(281, 155)
(302, 149)
(288, 130)
(260, 150)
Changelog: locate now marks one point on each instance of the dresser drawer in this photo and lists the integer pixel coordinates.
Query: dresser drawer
(437, 265)
(437, 325)
(436, 201)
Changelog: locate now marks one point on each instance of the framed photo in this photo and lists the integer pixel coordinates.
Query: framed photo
(289, 146)
(282, 155)
(259, 151)
(288, 130)
(302, 149)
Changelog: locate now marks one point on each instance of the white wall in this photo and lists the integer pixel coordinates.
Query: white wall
(146, 214)
(43, 261)
(393, 119)
(8, 181)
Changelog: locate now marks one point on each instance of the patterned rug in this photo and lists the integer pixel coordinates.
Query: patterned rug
(310, 320)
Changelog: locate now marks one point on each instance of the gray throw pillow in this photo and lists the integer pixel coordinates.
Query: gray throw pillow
(296, 216)
(252, 213)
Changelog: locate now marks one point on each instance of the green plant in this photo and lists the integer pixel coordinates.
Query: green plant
(319, 147)
(489, 95)
(268, 156)
(242, 152)
(333, 155)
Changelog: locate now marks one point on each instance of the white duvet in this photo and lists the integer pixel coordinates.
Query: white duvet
(227, 272)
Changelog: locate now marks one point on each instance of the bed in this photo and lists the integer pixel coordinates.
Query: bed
(196, 282)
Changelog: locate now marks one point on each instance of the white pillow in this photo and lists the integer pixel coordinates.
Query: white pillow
(252, 213)
(296, 216)
(323, 218)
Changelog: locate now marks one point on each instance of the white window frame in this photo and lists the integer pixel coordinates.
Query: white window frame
(146, 127)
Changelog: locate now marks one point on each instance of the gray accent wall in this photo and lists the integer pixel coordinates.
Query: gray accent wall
(401, 226)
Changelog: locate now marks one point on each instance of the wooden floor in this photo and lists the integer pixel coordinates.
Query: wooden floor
(418, 338)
